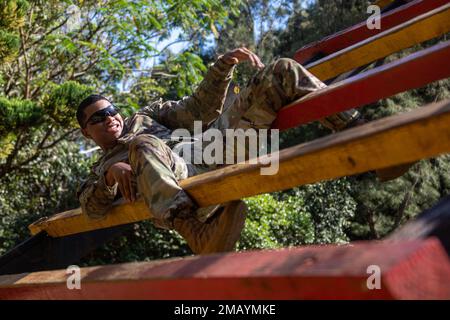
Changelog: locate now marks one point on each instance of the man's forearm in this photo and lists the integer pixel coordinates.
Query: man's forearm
(208, 99)
(204, 105)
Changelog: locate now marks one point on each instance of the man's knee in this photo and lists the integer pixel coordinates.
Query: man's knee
(274, 74)
(291, 73)
(283, 65)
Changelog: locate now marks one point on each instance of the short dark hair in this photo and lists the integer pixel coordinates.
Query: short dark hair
(93, 98)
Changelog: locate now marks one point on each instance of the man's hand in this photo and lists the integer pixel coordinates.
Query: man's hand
(121, 173)
(242, 54)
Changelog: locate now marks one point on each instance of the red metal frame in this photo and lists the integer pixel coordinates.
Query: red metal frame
(360, 32)
(413, 269)
(408, 73)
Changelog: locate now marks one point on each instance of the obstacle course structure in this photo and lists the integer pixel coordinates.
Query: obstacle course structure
(414, 261)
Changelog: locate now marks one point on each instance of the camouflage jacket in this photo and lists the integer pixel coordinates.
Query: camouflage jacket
(158, 119)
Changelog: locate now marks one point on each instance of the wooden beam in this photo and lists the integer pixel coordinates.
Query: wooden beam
(74, 221)
(408, 270)
(408, 73)
(408, 34)
(423, 67)
(404, 138)
(360, 32)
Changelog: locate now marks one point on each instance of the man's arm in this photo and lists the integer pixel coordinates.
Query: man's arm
(95, 196)
(207, 101)
(205, 104)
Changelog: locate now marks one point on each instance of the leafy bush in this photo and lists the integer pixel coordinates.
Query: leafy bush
(274, 223)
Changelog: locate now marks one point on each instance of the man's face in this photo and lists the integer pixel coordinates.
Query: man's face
(104, 133)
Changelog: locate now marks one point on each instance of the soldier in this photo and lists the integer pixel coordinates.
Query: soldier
(138, 156)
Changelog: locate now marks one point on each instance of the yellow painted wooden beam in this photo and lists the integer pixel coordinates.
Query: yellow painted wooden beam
(74, 221)
(391, 141)
(424, 27)
(422, 133)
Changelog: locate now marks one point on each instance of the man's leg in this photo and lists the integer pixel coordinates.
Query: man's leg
(157, 170)
(272, 88)
(277, 85)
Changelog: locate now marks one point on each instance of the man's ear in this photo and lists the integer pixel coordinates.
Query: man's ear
(85, 133)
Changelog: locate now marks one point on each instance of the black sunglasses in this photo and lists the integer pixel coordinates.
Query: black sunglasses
(100, 115)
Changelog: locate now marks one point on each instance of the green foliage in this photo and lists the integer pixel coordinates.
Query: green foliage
(275, 223)
(44, 187)
(318, 213)
(9, 44)
(12, 14)
(18, 114)
(62, 101)
(6, 145)
(11, 19)
(71, 48)
(320, 19)
(382, 207)
(52, 54)
(187, 68)
(331, 206)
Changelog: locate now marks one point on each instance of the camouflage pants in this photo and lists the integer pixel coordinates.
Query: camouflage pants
(275, 86)
(158, 168)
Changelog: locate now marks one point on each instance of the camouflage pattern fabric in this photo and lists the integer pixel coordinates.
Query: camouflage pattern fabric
(157, 170)
(145, 142)
(158, 120)
(277, 85)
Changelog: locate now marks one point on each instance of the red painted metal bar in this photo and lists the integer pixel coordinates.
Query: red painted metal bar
(408, 270)
(360, 32)
(408, 73)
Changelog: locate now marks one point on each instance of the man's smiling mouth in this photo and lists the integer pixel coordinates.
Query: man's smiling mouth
(113, 128)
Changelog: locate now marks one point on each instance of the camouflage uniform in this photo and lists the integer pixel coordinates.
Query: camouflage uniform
(146, 139)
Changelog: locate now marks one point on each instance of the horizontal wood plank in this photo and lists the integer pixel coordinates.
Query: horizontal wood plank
(404, 138)
(408, 73)
(409, 270)
(428, 65)
(360, 32)
(408, 34)
(74, 221)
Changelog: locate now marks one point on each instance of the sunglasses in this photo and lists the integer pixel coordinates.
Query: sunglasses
(101, 115)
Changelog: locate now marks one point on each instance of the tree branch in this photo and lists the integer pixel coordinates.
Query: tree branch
(17, 146)
(371, 222)
(49, 32)
(65, 135)
(404, 205)
(38, 151)
(27, 67)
